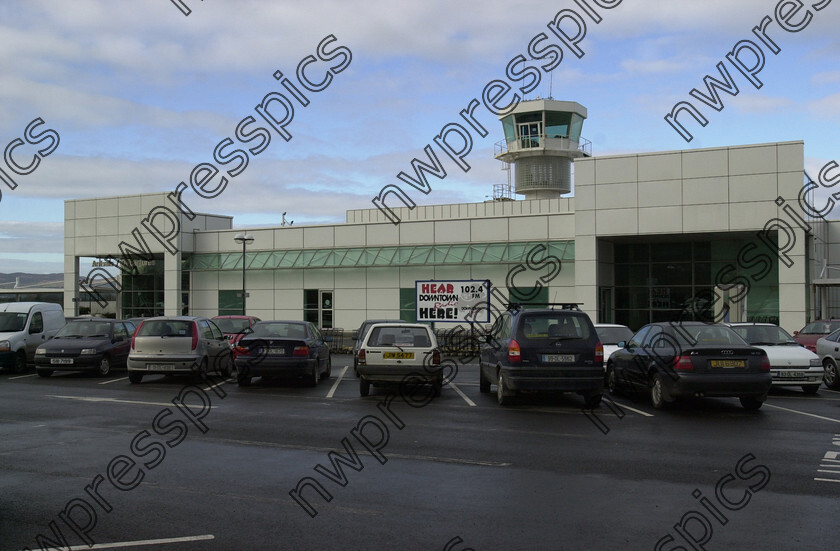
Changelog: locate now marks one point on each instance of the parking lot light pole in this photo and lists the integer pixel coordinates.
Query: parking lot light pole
(246, 239)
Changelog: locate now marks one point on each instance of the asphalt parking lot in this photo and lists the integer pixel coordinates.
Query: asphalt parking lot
(98, 461)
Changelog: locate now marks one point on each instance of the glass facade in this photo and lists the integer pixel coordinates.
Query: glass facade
(663, 281)
(142, 293)
(406, 255)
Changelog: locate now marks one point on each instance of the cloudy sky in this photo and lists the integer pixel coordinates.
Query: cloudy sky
(139, 94)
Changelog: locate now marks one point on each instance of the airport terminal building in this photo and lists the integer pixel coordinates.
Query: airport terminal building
(644, 236)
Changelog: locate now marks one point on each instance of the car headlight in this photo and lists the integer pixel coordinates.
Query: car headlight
(40, 351)
(5, 346)
(87, 351)
(815, 362)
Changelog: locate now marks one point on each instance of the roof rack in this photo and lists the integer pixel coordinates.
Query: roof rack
(562, 305)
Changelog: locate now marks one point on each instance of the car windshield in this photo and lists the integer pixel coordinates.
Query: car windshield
(768, 335)
(394, 335)
(12, 321)
(691, 335)
(554, 326)
(84, 329)
(279, 330)
(232, 325)
(166, 328)
(820, 328)
(614, 335)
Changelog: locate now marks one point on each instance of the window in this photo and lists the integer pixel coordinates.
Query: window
(230, 303)
(408, 304)
(310, 305)
(120, 331)
(37, 323)
(217, 334)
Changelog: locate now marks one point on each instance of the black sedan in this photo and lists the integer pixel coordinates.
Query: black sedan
(283, 349)
(673, 360)
(86, 345)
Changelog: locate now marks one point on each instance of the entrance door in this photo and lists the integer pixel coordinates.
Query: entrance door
(325, 309)
(605, 305)
(731, 303)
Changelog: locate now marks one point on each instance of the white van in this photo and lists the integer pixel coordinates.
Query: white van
(24, 326)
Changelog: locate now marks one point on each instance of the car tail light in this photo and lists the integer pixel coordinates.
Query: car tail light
(134, 335)
(683, 363)
(436, 357)
(195, 336)
(300, 351)
(243, 350)
(599, 353)
(515, 352)
(362, 360)
(765, 363)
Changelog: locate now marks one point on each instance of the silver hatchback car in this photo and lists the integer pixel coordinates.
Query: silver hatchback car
(178, 345)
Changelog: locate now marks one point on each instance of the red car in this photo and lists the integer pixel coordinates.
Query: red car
(814, 331)
(234, 327)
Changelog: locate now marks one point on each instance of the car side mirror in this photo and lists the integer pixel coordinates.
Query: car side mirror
(795, 333)
(34, 330)
(354, 335)
(116, 339)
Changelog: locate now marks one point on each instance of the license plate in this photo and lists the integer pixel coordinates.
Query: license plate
(729, 363)
(398, 355)
(62, 361)
(160, 367)
(790, 374)
(275, 351)
(559, 358)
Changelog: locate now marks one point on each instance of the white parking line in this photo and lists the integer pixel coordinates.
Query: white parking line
(826, 480)
(114, 400)
(803, 413)
(22, 376)
(338, 380)
(219, 384)
(827, 471)
(141, 542)
(113, 381)
(464, 396)
(640, 412)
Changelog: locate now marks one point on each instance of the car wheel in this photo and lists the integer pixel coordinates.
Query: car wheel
(19, 366)
(503, 398)
(104, 367)
(134, 377)
(483, 383)
(45, 372)
(612, 380)
(227, 370)
(364, 386)
(831, 377)
(752, 403)
(243, 379)
(202, 368)
(437, 385)
(811, 389)
(657, 392)
(593, 400)
(313, 379)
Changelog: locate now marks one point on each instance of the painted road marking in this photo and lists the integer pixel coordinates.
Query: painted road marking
(338, 380)
(827, 480)
(114, 400)
(464, 396)
(226, 381)
(803, 413)
(22, 376)
(138, 543)
(640, 412)
(113, 381)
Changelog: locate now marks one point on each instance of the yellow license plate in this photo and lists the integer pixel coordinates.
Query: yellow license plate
(398, 355)
(729, 363)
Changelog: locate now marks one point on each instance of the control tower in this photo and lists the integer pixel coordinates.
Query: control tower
(542, 138)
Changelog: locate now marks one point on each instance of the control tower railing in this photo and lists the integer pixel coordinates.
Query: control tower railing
(546, 143)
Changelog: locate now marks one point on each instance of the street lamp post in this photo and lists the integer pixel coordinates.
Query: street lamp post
(245, 239)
